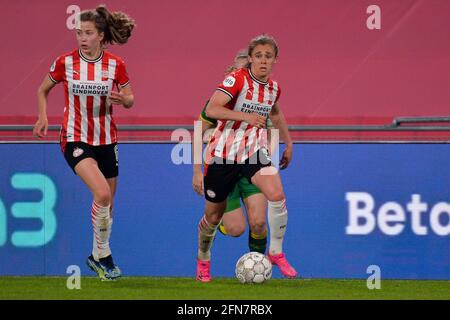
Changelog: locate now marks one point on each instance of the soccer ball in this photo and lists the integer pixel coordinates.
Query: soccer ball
(253, 267)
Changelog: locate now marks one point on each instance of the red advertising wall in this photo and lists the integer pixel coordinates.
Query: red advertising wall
(332, 67)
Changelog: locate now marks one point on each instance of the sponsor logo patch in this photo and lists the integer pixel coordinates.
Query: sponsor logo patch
(229, 81)
(211, 193)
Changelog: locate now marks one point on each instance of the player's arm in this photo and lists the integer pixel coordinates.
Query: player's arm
(216, 109)
(124, 97)
(197, 178)
(279, 122)
(197, 145)
(205, 126)
(41, 126)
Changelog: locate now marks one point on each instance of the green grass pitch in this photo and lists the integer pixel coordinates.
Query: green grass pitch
(156, 288)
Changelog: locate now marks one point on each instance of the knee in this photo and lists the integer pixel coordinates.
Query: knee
(213, 217)
(214, 212)
(102, 197)
(276, 195)
(235, 230)
(258, 226)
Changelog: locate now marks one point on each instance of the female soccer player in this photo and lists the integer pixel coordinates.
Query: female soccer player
(242, 104)
(88, 133)
(233, 221)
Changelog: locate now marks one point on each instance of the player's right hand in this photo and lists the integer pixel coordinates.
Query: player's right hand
(40, 128)
(197, 182)
(286, 158)
(255, 120)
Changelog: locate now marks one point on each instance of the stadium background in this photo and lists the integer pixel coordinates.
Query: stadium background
(333, 71)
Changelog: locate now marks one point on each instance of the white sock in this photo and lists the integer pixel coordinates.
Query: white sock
(94, 241)
(277, 217)
(206, 233)
(101, 223)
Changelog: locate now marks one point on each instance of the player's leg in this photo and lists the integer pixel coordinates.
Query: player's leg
(256, 207)
(108, 261)
(219, 181)
(91, 175)
(268, 181)
(233, 221)
(90, 165)
(108, 163)
(82, 159)
(206, 232)
(112, 182)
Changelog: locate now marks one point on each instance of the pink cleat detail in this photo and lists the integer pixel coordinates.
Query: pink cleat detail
(203, 270)
(286, 269)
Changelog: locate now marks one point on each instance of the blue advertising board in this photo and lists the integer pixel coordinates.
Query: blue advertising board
(350, 206)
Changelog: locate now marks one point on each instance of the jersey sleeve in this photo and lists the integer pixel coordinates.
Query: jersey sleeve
(278, 94)
(205, 118)
(232, 84)
(122, 78)
(57, 70)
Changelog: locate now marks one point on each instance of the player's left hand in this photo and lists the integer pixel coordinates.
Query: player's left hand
(118, 98)
(286, 158)
(197, 182)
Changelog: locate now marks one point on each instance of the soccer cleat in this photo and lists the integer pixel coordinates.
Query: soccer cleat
(96, 267)
(112, 271)
(203, 270)
(105, 268)
(280, 260)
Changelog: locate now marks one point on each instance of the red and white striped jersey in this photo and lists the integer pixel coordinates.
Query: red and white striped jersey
(87, 84)
(238, 140)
